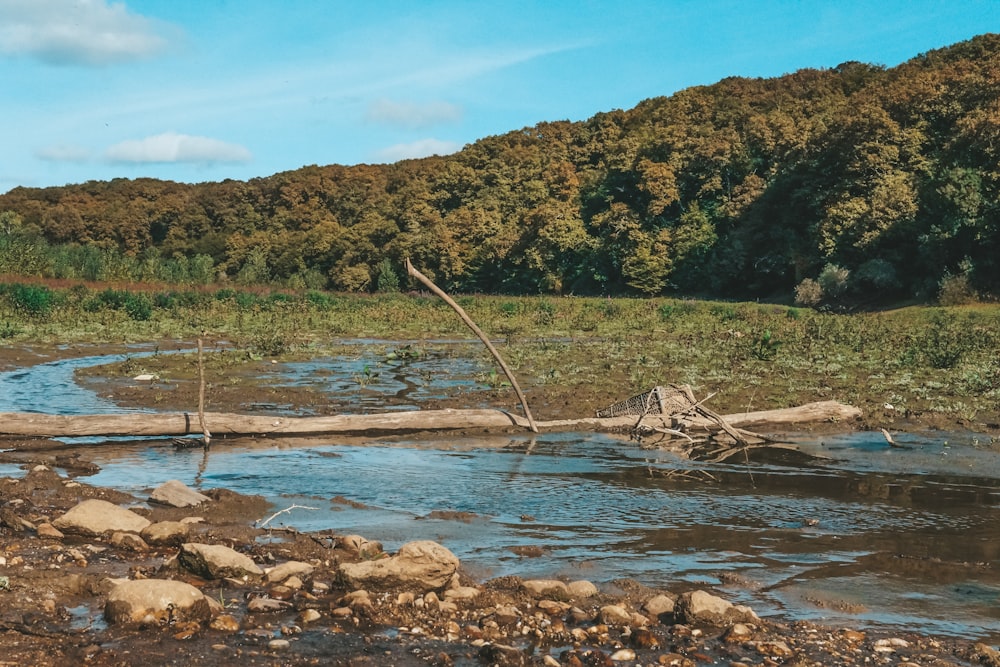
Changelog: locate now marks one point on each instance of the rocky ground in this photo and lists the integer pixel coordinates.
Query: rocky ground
(91, 576)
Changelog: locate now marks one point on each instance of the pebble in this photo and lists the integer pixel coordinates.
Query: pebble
(278, 644)
(623, 655)
(225, 623)
(309, 616)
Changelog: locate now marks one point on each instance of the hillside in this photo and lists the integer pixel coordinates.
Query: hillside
(742, 189)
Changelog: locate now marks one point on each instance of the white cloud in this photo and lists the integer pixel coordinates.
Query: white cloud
(173, 147)
(417, 149)
(77, 32)
(63, 153)
(411, 115)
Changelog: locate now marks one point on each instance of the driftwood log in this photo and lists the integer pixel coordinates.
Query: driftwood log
(182, 424)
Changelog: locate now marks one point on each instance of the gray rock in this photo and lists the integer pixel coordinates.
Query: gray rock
(95, 517)
(166, 532)
(659, 604)
(177, 494)
(155, 601)
(702, 607)
(614, 614)
(546, 587)
(292, 568)
(214, 561)
(423, 565)
(581, 589)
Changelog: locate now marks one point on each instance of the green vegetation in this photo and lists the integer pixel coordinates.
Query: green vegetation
(922, 361)
(852, 185)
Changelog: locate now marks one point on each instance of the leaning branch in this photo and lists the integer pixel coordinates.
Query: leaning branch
(479, 332)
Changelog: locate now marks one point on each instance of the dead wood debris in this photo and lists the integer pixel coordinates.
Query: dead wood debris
(671, 417)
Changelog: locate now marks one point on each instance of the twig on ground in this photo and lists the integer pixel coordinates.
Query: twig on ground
(287, 509)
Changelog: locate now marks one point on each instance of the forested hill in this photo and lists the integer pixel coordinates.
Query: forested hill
(738, 189)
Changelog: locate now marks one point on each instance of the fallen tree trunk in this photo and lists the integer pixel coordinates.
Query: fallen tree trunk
(183, 424)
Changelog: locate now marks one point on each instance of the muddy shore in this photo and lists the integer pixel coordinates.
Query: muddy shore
(55, 585)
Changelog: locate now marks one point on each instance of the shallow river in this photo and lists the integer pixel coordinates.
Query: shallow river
(849, 532)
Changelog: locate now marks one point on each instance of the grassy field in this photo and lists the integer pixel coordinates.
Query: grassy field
(935, 366)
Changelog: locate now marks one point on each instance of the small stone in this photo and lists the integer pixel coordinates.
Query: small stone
(547, 587)
(225, 623)
(553, 608)
(852, 636)
(278, 574)
(623, 655)
(309, 616)
(506, 615)
(166, 532)
(281, 592)
(177, 494)
(643, 638)
(774, 649)
(278, 644)
(581, 589)
(737, 633)
(215, 561)
(342, 612)
(614, 614)
(361, 546)
(659, 605)
(129, 541)
(48, 531)
(461, 593)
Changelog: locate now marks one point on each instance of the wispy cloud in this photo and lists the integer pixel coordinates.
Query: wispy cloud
(417, 149)
(77, 32)
(63, 153)
(171, 147)
(412, 115)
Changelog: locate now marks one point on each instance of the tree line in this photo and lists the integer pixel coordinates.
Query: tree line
(828, 184)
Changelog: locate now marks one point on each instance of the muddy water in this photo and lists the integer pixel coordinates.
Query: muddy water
(848, 531)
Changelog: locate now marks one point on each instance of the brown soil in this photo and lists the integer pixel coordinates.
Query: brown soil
(52, 590)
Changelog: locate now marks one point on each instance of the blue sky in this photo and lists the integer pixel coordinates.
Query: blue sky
(214, 89)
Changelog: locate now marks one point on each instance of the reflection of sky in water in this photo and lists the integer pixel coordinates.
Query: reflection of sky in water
(815, 537)
(602, 513)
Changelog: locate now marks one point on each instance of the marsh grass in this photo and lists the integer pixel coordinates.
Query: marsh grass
(755, 356)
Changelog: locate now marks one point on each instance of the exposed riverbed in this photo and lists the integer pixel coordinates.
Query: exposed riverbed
(851, 531)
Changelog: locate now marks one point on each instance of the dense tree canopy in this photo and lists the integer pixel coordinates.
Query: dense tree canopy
(743, 188)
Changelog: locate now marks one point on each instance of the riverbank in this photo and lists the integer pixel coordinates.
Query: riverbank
(305, 605)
